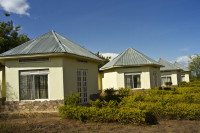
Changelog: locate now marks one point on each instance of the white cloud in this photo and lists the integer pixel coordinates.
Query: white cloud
(15, 6)
(183, 60)
(112, 55)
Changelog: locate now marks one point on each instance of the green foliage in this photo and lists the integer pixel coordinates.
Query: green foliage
(141, 107)
(168, 83)
(9, 37)
(194, 66)
(110, 95)
(105, 60)
(124, 91)
(72, 99)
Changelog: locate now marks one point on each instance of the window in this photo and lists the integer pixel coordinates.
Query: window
(132, 80)
(82, 85)
(183, 77)
(33, 84)
(33, 60)
(165, 79)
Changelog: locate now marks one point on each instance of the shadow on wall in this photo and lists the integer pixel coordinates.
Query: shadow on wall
(10, 94)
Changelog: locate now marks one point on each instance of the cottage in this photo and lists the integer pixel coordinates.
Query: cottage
(170, 74)
(46, 69)
(185, 73)
(130, 69)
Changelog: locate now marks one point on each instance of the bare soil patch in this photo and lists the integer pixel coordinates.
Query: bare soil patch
(52, 123)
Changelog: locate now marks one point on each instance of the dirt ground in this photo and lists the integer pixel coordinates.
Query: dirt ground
(52, 123)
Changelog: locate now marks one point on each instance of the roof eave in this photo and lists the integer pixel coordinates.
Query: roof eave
(121, 66)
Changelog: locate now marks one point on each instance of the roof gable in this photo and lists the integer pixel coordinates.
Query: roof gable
(50, 42)
(181, 66)
(167, 65)
(130, 57)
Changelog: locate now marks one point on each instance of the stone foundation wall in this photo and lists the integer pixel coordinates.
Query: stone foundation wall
(26, 106)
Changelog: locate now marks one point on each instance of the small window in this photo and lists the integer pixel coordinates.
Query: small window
(132, 80)
(33, 60)
(166, 79)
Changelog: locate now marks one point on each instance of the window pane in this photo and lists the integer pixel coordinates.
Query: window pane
(26, 87)
(41, 87)
(128, 81)
(137, 81)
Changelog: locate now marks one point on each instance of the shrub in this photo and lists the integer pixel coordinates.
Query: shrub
(182, 84)
(168, 83)
(72, 99)
(124, 91)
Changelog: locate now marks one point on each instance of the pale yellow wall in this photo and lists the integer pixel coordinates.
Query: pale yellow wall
(109, 79)
(175, 76)
(71, 65)
(114, 78)
(187, 75)
(55, 77)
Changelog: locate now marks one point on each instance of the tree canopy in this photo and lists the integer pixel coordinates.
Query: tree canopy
(194, 66)
(105, 60)
(9, 36)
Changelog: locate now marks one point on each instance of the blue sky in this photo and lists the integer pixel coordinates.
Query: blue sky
(158, 28)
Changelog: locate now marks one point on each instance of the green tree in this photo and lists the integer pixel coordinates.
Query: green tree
(105, 59)
(9, 36)
(194, 66)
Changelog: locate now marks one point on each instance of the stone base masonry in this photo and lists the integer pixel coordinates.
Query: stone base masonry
(26, 106)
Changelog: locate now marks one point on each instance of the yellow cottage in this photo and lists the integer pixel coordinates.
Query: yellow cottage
(39, 73)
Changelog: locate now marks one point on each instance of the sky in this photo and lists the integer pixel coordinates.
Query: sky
(168, 29)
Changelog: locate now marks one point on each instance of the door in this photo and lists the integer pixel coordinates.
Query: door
(82, 86)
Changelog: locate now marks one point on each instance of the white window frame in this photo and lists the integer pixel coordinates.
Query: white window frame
(36, 72)
(165, 76)
(133, 74)
(80, 89)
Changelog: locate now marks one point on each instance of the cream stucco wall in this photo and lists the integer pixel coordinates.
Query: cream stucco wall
(71, 65)
(55, 77)
(114, 78)
(187, 77)
(109, 79)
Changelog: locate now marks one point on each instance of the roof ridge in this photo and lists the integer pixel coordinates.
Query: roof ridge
(142, 55)
(58, 41)
(119, 57)
(169, 63)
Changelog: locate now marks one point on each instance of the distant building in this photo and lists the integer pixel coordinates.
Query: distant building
(130, 69)
(185, 73)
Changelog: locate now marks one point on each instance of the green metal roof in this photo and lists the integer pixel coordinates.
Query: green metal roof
(167, 65)
(181, 66)
(50, 42)
(130, 57)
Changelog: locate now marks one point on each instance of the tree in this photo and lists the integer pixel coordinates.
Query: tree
(9, 36)
(194, 66)
(105, 59)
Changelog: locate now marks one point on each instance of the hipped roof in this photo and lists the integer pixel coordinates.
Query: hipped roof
(130, 57)
(50, 42)
(167, 65)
